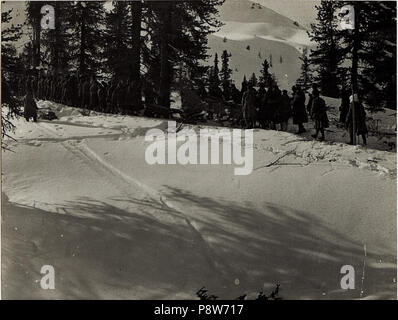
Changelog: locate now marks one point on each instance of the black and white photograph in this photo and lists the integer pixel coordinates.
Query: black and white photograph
(199, 150)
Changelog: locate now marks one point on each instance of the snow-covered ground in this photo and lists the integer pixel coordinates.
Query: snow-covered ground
(79, 195)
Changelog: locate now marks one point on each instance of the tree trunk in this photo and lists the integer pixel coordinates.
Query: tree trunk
(354, 69)
(165, 68)
(36, 39)
(136, 13)
(82, 62)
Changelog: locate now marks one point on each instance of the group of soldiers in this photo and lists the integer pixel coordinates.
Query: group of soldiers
(266, 108)
(116, 96)
(273, 107)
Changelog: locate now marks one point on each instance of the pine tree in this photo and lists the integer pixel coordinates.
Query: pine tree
(244, 84)
(226, 72)
(55, 41)
(117, 52)
(180, 31)
(33, 16)
(371, 49)
(85, 21)
(305, 79)
(281, 59)
(253, 80)
(136, 16)
(10, 65)
(265, 75)
(328, 54)
(214, 80)
(270, 60)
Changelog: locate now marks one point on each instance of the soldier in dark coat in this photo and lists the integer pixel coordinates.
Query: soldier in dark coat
(299, 111)
(119, 96)
(40, 87)
(53, 88)
(345, 105)
(273, 101)
(70, 92)
(311, 95)
(30, 107)
(85, 93)
(360, 119)
(113, 97)
(93, 94)
(129, 97)
(74, 91)
(102, 91)
(249, 107)
(283, 112)
(319, 115)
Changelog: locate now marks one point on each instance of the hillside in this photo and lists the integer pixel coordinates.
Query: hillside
(251, 33)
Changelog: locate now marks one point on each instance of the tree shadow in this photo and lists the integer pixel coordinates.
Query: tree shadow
(145, 249)
(284, 245)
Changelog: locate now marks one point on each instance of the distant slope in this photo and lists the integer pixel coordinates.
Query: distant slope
(245, 62)
(250, 11)
(251, 33)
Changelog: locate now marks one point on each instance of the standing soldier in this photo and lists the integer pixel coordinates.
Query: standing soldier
(249, 107)
(34, 82)
(109, 95)
(284, 111)
(53, 88)
(273, 101)
(114, 97)
(314, 92)
(345, 105)
(299, 111)
(40, 86)
(85, 93)
(102, 96)
(149, 94)
(94, 94)
(129, 98)
(30, 107)
(121, 91)
(319, 115)
(360, 119)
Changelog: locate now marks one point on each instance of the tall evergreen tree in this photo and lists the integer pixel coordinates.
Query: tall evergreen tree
(55, 41)
(214, 80)
(180, 29)
(328, 54)
(265, 75)
(305, 77)
(225, 72)
(136, 42)
(85, 21)
(244, 84)
(33, 16)
(253, 80)
(117, 51)
(9, 64)
(371, 49)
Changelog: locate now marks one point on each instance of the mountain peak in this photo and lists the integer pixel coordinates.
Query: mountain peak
(253, 12)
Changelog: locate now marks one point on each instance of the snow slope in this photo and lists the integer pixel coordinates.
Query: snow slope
(78, 195)
(267, 33)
